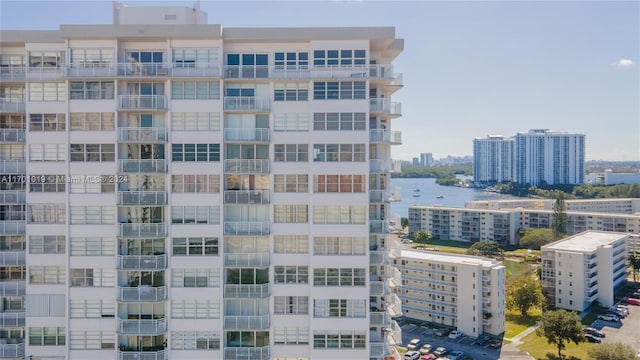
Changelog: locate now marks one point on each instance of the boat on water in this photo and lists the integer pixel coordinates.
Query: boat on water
(416, 192)
(440, 196)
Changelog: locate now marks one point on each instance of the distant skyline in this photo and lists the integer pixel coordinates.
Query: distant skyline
(471, 69)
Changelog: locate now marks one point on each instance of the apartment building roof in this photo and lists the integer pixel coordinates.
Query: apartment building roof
(449, 258)
(587, 241)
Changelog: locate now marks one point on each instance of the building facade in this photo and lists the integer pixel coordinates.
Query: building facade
(173, 189)
(584, 269)
(465, 292)
(493, 159)
(426, 159)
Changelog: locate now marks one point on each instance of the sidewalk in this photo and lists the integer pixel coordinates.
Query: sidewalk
(511, 351)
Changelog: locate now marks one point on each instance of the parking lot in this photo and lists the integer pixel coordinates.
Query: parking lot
(464, 344)
(625, 331)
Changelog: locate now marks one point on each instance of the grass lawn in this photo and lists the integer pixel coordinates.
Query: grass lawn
(538, 347)
(515, 324)
(448, 246)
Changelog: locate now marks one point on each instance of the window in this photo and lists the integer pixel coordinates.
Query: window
(91, 90)
(53, 275)
(291, 152)
(92, 152)
(339, 245)
(46, 58)
(290, 122)
(195, 90)
(200, 277)
(339, 277)
(334, 339)
(291, 92)
(339, 152)
(339, 90)
(93, 277)
(247, 66)
(47, 122)
(47, 214)
(47, 152)
(291, 274)
(9, 61)
(92, 121)
(47, 183)
(94, 184)
(290, 244)
(195, 152)
(47, 91)
(339, 214)
(12, 243)
(93, 246)
(195, 121)
(339, 58)
(92, 309)
(195, 309)
(345, 121)
(195, 246)
(291, 305)
(195, 214)
(47, 244)
(195, 340)
(290, 213)
(92, 57)
(46, 336)
(11, 152)
(291, 60)
(81, 215)
(291, 335)
(91, 340)
(12, 273)
(195, 58)
(12, 121)
(195, 183)
(335, 308)
(291, 183)
(12, 212)
(339, 183)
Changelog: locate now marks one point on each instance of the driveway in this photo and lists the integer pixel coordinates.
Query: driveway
(625, 331)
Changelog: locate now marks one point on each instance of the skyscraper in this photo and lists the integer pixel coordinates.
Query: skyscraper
(493, 159)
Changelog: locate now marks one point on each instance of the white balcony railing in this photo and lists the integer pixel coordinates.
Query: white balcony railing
(382, 71)
(378, 257)
(381, 105)
(246, 72)
(142, 293)
(246, 227)
(246, 353)
(12, 258)
(379, 288)
(380, 165)
(247, 290)
(379, 226)
(246, 103)
(91, 70)
(142, 69)
(135, 326)
(12, 319)
(246, 259)
(379, 196)
(12, 105)
(139, 134)
(257, 322)
(12, 350)
(246, 196)
(12, 135)
(379, 318)
(142, 166)
(142, 262)
(12, 288)
(13, 73)
(385, 136)
(12, 196)
(12, 166)
(45, 72)
(142, 102)
(247, 165)
(142, 197)
(241, 134)
(142, 355)
(197, 70)
(12, 227)
(142, 230)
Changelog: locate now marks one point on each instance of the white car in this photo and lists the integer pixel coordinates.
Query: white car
(455, 334)
(411, 355)
(425, 349)
(608, 317)
(414, 344)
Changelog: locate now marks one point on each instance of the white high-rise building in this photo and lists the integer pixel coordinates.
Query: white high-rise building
(426, 159)
(551, 157)
(493, 159)
(174, 189)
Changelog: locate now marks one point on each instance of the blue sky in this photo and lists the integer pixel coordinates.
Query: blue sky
(470, 68)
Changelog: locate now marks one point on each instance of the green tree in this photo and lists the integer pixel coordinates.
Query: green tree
(421, 236)
(612, 351)
(559, 216)
(560, 327)
(524, 294)
(634, 262)
(404, 222)
(535, 238)
(486, 248)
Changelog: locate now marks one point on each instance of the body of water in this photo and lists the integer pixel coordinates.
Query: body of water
(430, 193)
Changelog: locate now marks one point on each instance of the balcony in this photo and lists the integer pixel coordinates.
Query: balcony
(142, 355)
(12, 319)
(378, 258)
(197, 70)
(260, 166)
(379, 288)
(246, 196)
(142, 102)
(380, 165)
(142, 262)
(12, 135)
(144, 327)
(12, 196)
(12, 350)
(378, 196)
(13, 73)
(12, 258)
(257, 322)
(246, 228)
(142, 69)
(142, 134)
(246, 72)
(378, 350)
(246, 103)
(246, 353)
(247, 290)
(142, 230)
(145, 198)
(379, 318)
(241, 134)
(394, 305)
(385, 106)
(90, 70)
(378, 226)
(142, 293)
(247, 259)
(12, 227)
(385, 136)
(44, 72)
(12, 105)
(142, 166)
(12, 288)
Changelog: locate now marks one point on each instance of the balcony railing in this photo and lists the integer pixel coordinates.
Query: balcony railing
(378, 258)
(379, 318)
(12, 166)
(12, 350)
(142, 166)
(12, 258)
(142, 293)
(135, 326)
(142, 262)
(246, 72)
(142, 355)
(142, 197)
(386, 106)
(379, 350)
(12, 135)
(379, 196)
(44, 72)
(91, 70)
(246, 196)
(380, 165)
(385, 136)
(378, 288)
(246, 353)
(197, 70)
(247, 290)
(247, 165)
(241, 134)
(12, 105)
(12, 319)
(246, 228)
(142, 134)
(142, 102)
(142, 230)
(246, 259)
(382, 71)
(142, 69)
(12, 227)
(12, 288)
(13, 73)
(12, 196)
(258, 322)
(246, 103)
(379, 226)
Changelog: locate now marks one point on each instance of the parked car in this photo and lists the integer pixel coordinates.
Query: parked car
(496, 344)
(631, 301)
(482, 340)
(635, 295)
(428, 357)
(455, 355)
(414, 344)
(608, 317)
(618, 313)
(594, 332)
(440, 351)
(592, 339)
(441, 332)
(411, 355)
(624, 309)
(455, 334)
(425, 349)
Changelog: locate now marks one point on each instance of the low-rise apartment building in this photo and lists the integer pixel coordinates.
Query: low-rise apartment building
(623, 206)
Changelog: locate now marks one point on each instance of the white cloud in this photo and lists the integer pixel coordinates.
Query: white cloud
(624, 63)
